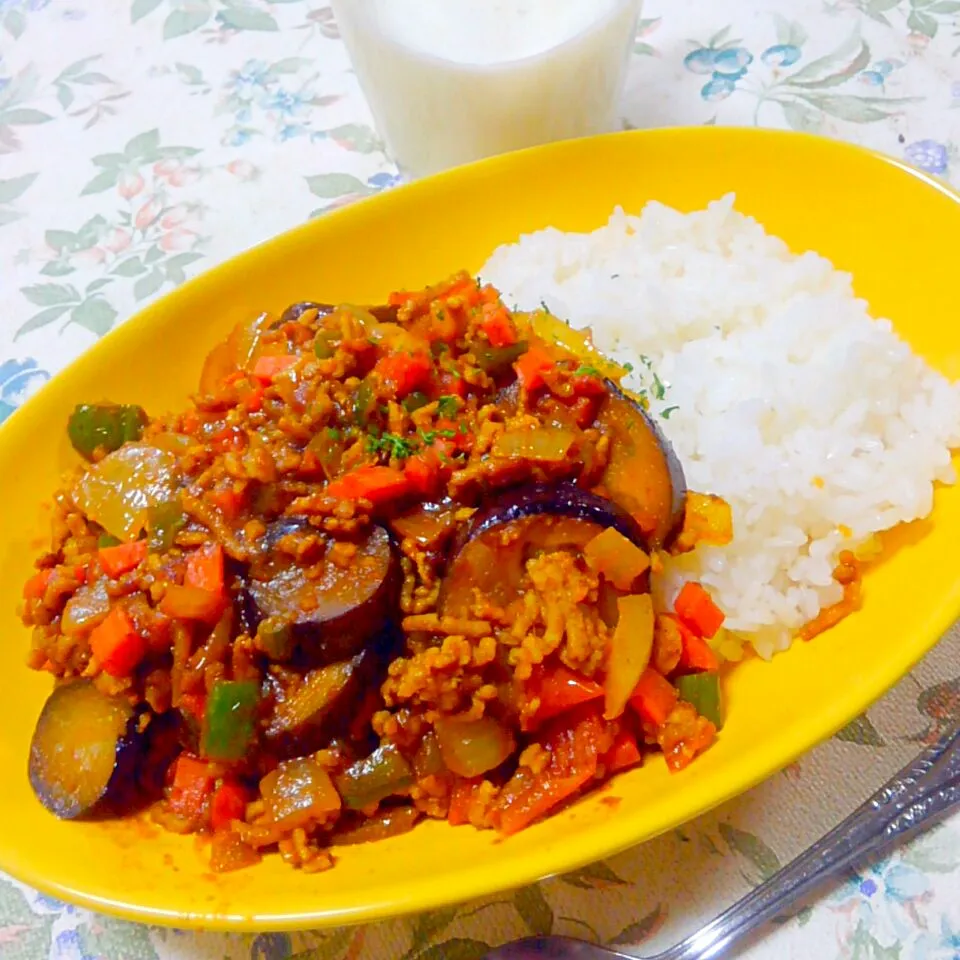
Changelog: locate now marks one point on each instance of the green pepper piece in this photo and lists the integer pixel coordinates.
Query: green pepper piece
(328, 447)
(428, 761)
(275, 639)
(364, 403)
(324, 346)
(104, 425)
(164, 522)
(108, 540)
(702, 691)
(228, 723)
(497, 360)
(384, 773)
(415, 401)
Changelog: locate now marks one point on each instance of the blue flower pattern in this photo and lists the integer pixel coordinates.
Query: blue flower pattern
(19, 379)
(928, 155)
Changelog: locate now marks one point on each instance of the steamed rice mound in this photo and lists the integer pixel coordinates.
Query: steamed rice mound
(779, 391)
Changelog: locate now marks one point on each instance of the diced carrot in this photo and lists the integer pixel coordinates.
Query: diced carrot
(116, 644)
(228, 502)
(461, 797)
(498, 325)
(253, 401)
(376, 484)
(532, 366)
(205, 569)
(560, 689)
(192, 603)
(268, 367)
(191, 786)
(623, 754)
(450, 384)
(115, 561)
(697, 657)
(695, 607)
(423, 471)
(462, 439)
(229, 803)
(36, 586)
(653, 697)
(404, 372)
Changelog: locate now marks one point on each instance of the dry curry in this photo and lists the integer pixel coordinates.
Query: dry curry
(391, 563)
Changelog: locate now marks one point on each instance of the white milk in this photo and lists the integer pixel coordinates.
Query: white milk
(450, 81)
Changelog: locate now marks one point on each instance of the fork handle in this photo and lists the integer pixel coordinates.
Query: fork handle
(922, 791)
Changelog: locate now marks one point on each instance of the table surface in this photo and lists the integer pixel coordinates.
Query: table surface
(142, 141)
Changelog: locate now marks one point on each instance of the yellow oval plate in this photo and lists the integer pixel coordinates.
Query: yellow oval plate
(868, 214)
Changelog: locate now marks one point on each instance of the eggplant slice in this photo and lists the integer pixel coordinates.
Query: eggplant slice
(335, 610)
(325, 703)
(644, 474)
(491, 553)
(84, 752)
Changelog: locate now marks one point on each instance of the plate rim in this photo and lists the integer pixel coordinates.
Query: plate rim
(467, 884)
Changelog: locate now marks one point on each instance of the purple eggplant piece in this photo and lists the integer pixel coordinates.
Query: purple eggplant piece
(646, 425)
(678, 482)
(333, 616)
(557, 499)
(85, 752)
(569, 516)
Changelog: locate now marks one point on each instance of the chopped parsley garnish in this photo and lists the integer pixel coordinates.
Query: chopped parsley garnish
(447, 406)
(665, 413)
(628, 367)
(545, 308)
(397, 447)
(428, 436)
(333, 433)
(587, 371)
(659, 388)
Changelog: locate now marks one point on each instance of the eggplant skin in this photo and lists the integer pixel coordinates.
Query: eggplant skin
(85, 752)
(557, 499)
(337, 628)
(296, 310)
(678, 481)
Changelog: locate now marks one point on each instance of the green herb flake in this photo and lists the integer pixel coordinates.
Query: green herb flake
(659, 388)
(447, 406)
(333, 433)
(587, 371)
(667, 411)
(398, 447)
(429, 436)
(628, 367)
(545, 308)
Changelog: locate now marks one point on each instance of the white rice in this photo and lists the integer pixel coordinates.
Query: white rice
(815, 421)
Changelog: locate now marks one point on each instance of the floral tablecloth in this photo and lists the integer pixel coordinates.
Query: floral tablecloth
(142, 141)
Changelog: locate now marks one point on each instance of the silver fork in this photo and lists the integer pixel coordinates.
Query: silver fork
(921, 792)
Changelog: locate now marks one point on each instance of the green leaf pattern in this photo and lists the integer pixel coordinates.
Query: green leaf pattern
(142, 141)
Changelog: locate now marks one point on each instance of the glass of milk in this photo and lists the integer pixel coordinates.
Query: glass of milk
(450, 81)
